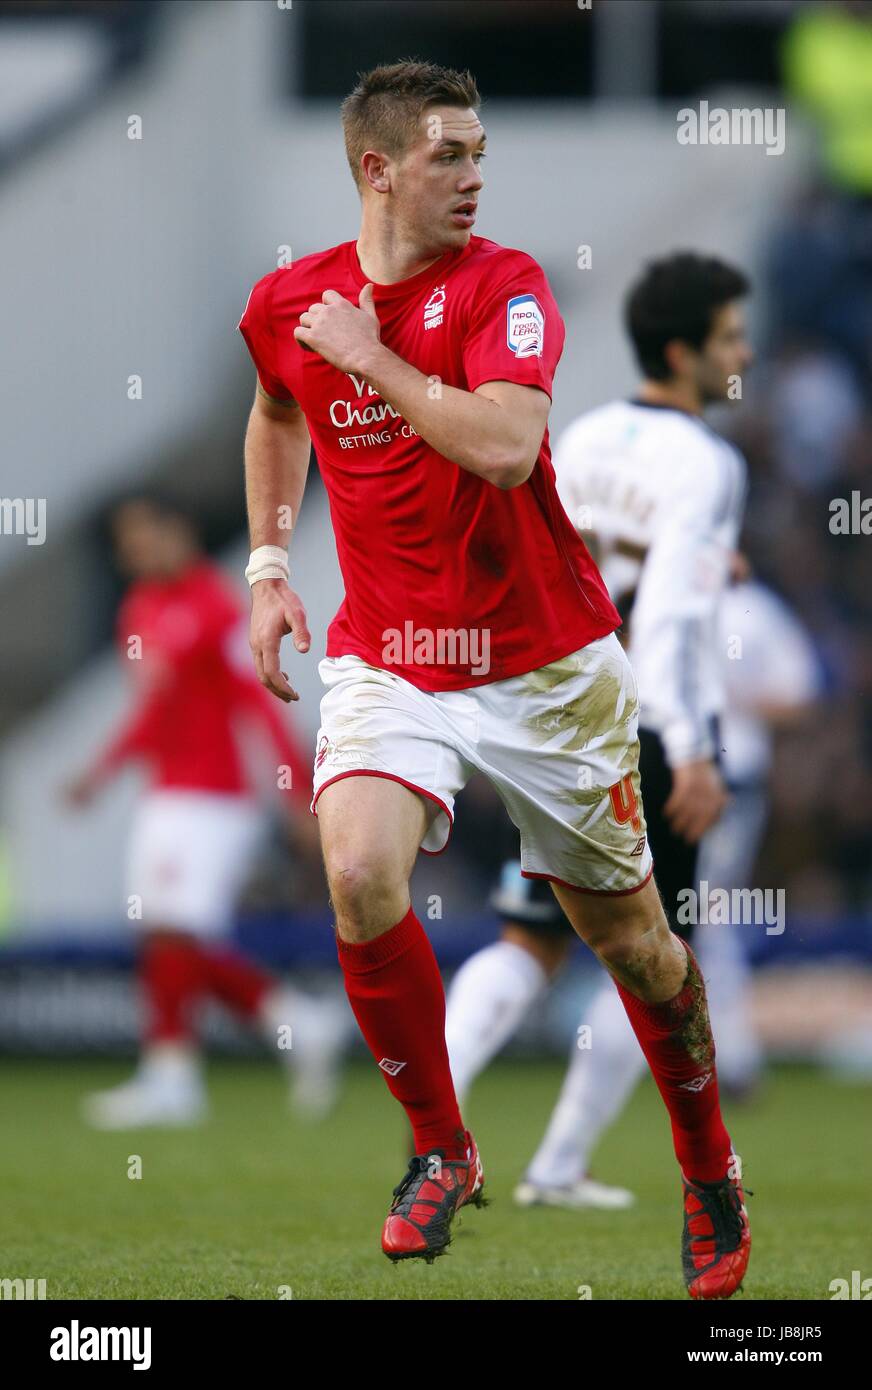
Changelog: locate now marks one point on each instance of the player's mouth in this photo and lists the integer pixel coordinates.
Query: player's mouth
(464, 214)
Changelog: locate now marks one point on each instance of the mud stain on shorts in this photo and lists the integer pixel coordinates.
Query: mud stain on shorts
(587, 717)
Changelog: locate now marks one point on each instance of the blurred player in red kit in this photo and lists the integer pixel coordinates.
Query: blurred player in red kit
(197, 826)
(476, 634)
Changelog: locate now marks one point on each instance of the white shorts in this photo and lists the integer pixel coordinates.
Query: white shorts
(559, 744)
(188, 857)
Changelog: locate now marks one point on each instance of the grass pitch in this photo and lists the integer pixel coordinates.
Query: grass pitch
(255, 1204)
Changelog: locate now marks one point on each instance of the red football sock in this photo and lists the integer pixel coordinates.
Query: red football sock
(235, 981)
(677, 1041)
(395, 990)
(170, 977)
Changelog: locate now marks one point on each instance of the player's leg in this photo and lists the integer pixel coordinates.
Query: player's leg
(663, 993)
(664, 996)
(371, 829)
(307, 1035)
(167, 1087)
(386, 773)
(727, 856)
(495, 988)
(606, 1066)
(562, 748)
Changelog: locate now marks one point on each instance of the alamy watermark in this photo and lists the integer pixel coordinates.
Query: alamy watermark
(442, 646)
(23, 516)
(740, 125)
(722, 907)
(22, 1288)
(851, 516)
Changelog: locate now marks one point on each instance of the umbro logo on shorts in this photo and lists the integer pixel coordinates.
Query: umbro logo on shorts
(392, 1068)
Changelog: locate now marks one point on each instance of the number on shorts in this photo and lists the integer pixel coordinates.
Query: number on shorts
(624, 803)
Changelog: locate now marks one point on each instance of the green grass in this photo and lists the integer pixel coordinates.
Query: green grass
(254, 1200)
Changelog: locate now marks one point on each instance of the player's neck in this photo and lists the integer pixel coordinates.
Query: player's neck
(387, 257)
(676, 395)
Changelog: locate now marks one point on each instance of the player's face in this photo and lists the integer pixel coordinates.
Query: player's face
(438, 179)
(147, 544)
(726, 355)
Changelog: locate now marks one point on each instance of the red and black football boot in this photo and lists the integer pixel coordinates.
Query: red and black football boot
(716, 1241)
(418, 1225)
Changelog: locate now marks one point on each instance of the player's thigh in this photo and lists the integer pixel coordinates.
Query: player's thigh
(561, 746)
(375, 724)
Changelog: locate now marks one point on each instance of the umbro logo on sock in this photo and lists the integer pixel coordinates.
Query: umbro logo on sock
(698, 1083)
(392, 1068)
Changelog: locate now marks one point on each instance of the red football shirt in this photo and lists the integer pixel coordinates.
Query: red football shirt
(440, 567)
(193, 695)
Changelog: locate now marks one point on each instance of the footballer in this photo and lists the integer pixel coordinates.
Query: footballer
(475, 635)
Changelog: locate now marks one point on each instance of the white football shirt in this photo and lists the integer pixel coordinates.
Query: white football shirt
(662, 495)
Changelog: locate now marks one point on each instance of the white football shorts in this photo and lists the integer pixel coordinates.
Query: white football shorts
(559, 745)
(188, 858)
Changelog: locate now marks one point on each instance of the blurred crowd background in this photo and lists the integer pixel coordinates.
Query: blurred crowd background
(158, 158)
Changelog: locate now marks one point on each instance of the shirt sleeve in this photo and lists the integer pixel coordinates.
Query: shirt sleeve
(674, 619)
(138, 737)
(256, 328)
(515, 332)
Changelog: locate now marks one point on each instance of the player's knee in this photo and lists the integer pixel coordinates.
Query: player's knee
(641, 957)
(368, 898)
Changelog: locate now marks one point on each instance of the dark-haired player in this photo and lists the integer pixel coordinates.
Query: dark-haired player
(476, 633)
(197, 824)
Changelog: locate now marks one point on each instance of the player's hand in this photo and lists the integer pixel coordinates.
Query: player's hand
(739, 569)
(344, 336)
(697, 800)
(275, 611)
(80, 791)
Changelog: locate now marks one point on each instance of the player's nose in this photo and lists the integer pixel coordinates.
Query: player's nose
(471, 181)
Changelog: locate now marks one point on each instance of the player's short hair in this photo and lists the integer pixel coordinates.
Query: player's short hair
(677, 297)
(385, 107)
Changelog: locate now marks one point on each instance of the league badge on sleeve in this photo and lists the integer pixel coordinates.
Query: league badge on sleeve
(525, 325)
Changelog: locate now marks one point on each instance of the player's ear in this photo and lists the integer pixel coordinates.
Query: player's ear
(374, 170)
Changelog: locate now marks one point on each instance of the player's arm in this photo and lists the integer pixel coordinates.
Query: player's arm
(673, 617)
(135, 739)
(277, 449)
(494, 431)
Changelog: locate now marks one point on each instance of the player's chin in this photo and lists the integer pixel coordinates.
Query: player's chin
(457, 235)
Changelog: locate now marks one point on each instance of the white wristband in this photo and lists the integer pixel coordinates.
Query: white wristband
(267, 562)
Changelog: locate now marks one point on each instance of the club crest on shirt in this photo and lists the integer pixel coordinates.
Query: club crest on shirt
(433, 309)
(525, 325)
